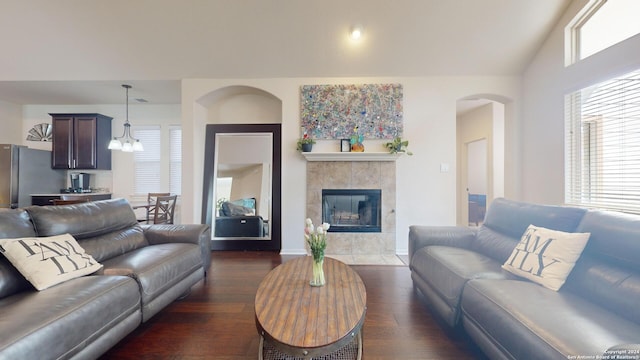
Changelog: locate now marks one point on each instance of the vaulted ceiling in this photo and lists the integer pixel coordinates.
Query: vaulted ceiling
(78, 51)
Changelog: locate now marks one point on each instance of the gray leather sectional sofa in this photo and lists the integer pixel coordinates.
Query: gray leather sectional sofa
(595, 314)
(144, 270)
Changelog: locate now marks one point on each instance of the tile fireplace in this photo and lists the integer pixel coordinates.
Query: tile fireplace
(355, 175)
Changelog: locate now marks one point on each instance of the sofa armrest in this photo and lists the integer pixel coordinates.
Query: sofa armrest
(456, 236)
(199, 234)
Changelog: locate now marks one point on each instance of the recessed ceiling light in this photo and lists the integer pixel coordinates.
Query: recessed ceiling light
(356, 32)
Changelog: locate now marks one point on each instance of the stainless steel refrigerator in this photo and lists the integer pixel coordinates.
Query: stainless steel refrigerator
(25, 171)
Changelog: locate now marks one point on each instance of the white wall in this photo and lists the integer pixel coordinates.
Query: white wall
(424, 194)
(545, 82)
(244, 109)
(498, 152)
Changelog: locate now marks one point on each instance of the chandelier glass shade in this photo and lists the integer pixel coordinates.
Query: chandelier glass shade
(126, 142)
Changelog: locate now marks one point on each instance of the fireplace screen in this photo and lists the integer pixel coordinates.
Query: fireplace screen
(351, 210)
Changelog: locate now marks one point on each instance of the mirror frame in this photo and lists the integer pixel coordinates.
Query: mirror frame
(275, 244)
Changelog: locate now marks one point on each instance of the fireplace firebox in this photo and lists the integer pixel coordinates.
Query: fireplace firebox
(352, 210)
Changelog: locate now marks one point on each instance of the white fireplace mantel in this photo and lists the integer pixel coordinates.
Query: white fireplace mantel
(350, 156)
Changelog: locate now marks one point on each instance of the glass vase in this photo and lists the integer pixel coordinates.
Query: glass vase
(318, 273)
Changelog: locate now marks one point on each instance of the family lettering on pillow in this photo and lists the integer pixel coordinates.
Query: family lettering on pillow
(546, 256)
(47, 261)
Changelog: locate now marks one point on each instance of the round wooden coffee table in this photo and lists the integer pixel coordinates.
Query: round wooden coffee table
(300, 321)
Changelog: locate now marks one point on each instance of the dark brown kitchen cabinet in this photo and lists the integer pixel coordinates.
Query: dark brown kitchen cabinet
(80, 141)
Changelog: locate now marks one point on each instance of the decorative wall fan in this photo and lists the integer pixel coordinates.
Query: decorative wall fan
(40, 132)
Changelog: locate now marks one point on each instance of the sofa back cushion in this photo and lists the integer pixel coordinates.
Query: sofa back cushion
(13, 224)
(104, 229)
(83, 220)
(107, 246)
(507, 220)
(608, 272)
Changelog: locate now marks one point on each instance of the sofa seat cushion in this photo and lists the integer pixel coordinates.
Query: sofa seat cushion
(156, 268)
(521, 320)
(62, 320)
(446, 270)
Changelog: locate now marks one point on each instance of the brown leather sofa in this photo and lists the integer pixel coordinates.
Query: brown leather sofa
(594, 315)
(144, 270)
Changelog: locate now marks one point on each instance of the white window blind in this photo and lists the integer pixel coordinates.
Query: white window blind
(175, 153)
(147, 162)
(602, 145)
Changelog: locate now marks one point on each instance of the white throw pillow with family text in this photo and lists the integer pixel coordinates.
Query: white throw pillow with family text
(47, 261)
(546, 256)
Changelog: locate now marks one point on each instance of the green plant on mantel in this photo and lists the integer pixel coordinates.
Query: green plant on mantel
(304, 140)
(398, 146)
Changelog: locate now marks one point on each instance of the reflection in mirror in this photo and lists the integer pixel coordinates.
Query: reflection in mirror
(241, 188)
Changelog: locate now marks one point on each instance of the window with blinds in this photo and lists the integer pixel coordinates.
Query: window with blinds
(175, 163)
(602, 145)
(147, 165)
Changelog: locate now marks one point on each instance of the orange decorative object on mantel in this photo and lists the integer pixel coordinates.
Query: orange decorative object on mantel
(356, 141)
(357, 147)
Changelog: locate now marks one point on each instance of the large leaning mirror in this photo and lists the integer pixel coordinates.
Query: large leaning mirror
(241, 193)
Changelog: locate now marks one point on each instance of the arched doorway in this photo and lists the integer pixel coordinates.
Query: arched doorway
(480, 133)
(242, 175)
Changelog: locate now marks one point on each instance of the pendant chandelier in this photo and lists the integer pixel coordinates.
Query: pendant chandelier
(126, 142)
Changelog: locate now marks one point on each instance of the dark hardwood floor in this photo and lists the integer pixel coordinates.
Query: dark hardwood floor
(217, 321)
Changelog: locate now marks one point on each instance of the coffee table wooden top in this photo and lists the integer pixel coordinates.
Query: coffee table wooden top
(303, 320)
